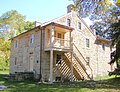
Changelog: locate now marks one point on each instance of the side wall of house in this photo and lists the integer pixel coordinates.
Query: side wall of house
(103, 58)
(26, 56)
(98, 58)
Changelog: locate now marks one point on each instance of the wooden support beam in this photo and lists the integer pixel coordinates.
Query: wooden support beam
(51, 52)
(71, 47)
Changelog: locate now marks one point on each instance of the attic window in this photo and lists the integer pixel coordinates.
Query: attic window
(103, 46)
(16, 44)
(79, 25)
(69, 22)
(31, 38)
(15, 60)
(87, 43)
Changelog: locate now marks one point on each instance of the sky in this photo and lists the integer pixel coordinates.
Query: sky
(36, 10)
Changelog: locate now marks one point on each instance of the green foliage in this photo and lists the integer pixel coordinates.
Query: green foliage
(107, 84)
(115, 36)
(118, 3)
(101, 12)
(12, 23)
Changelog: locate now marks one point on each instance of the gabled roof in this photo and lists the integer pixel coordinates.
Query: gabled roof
(102, 39)
(59, 25)
(26, 32)
(67, 15)
(52, 20)
(53, 23)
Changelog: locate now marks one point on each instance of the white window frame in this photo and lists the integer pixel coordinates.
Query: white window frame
(68, 20)
(16, 44)
(87, 43)
(88, 60)
(32, 38)
(103, 46)
(79, 26)
(15, 62)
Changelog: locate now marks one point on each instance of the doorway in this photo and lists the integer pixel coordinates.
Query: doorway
(31, 59)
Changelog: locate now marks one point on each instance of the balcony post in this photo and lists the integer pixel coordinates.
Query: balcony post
(71, 49)
(51, 52)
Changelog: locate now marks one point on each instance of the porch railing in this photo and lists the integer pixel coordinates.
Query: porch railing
(58, 43)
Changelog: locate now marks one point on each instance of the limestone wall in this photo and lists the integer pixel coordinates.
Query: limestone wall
(98, 58)
(20, 56)
(25, 52)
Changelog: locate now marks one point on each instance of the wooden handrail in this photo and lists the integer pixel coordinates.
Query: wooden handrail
(82, 57)
(58, 42)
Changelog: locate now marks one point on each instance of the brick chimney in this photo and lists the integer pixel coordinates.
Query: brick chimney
(70, 8)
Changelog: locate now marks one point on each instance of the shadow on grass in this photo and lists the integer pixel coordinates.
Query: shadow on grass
(81, 86)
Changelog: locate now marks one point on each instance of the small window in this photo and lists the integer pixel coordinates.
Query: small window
(59, 35)
(88, 60)
(68, 22)
(31, 38)
(87, 43)
(79, 25)
(58, 59)
(16, 44)
(103, 46)
(37, 61)
(15, 61)
(111, 48)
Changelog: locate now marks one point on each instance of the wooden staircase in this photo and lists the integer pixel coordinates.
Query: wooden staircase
(80, 71)
(63, 70)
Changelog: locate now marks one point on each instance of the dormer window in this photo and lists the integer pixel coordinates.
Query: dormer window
(68, 22)
(31, 38)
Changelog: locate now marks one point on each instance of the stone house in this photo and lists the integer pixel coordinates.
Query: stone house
(62, 49)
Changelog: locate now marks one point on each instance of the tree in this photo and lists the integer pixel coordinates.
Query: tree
(115, 55)
(106, 14)
(115, 36)
(101, 12)
(12, 23)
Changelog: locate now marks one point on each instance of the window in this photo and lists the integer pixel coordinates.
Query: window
(79, 25)
(87, 43)
(16, 44)
(111, 48)
(68, 22)
(59, 35)
(37, 61)
(15, 60)
(31, 38)
(103, 46)
(58, 59)
(88, 60)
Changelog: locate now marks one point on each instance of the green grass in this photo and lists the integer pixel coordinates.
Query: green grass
(107, 84)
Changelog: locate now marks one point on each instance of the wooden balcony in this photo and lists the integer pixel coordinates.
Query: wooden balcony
(58, 44)
(57, 37)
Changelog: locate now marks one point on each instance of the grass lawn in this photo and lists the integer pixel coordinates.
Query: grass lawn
(107, 84)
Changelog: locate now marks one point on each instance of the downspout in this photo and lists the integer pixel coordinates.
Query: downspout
(40, 52)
